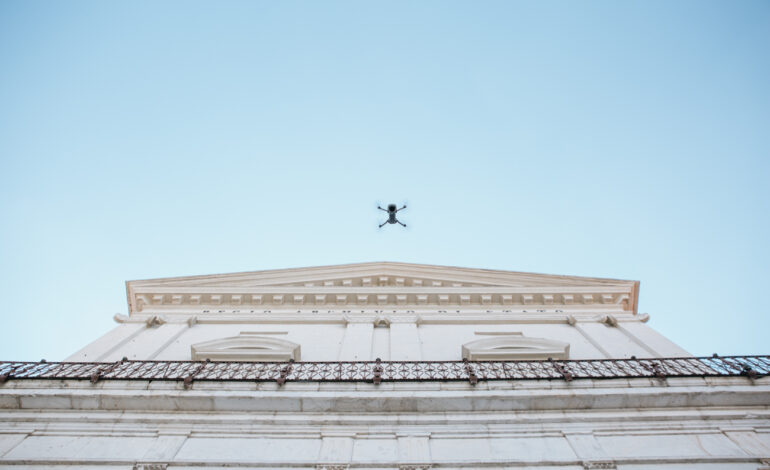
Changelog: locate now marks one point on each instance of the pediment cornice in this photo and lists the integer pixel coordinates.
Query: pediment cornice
(377, 284)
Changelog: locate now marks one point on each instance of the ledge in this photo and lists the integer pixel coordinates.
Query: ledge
(348, 398)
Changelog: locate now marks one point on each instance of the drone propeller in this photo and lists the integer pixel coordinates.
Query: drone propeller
(378, 216)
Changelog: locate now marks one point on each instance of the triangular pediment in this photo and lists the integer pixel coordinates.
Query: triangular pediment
(378, 283)
(380, 274)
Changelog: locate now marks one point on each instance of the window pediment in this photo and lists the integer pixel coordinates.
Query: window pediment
(246, 348)
(514, 348)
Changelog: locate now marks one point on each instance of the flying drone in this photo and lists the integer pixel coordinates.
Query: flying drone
(391, 210)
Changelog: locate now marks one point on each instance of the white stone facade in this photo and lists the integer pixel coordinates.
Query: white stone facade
(395, 312)
(392, 311)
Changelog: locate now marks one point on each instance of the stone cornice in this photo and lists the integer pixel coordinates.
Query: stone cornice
(377, 317)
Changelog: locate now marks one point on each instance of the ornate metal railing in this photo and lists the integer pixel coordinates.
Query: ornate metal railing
(381, 371)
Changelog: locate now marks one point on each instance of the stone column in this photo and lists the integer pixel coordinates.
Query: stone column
(104, 346)
(357, 342)
(404, 339)
(574, 322)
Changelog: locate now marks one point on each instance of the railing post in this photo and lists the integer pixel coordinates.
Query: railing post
(189, 379)
(565, 373)
(472, 378)
(655, 369)
(8, 375)
(285, 371)
(377, 372)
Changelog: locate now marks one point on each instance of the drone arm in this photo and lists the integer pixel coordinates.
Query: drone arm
(404, 207)
(380, 208)
(383, 223)
(403, 225)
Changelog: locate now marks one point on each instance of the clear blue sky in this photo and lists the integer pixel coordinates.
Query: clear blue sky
(616, 139)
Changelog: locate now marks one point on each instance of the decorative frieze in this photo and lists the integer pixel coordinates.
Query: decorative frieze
(315, 297)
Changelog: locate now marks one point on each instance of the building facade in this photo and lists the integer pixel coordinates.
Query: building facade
(388, 366)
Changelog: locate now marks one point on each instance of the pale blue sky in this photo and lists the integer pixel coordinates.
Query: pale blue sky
(613, 139)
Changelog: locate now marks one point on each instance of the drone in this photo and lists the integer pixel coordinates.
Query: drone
(391, 210)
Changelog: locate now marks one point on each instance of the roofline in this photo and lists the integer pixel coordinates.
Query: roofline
(391, 263)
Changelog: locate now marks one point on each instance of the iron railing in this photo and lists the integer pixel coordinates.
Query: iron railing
(384, 371)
